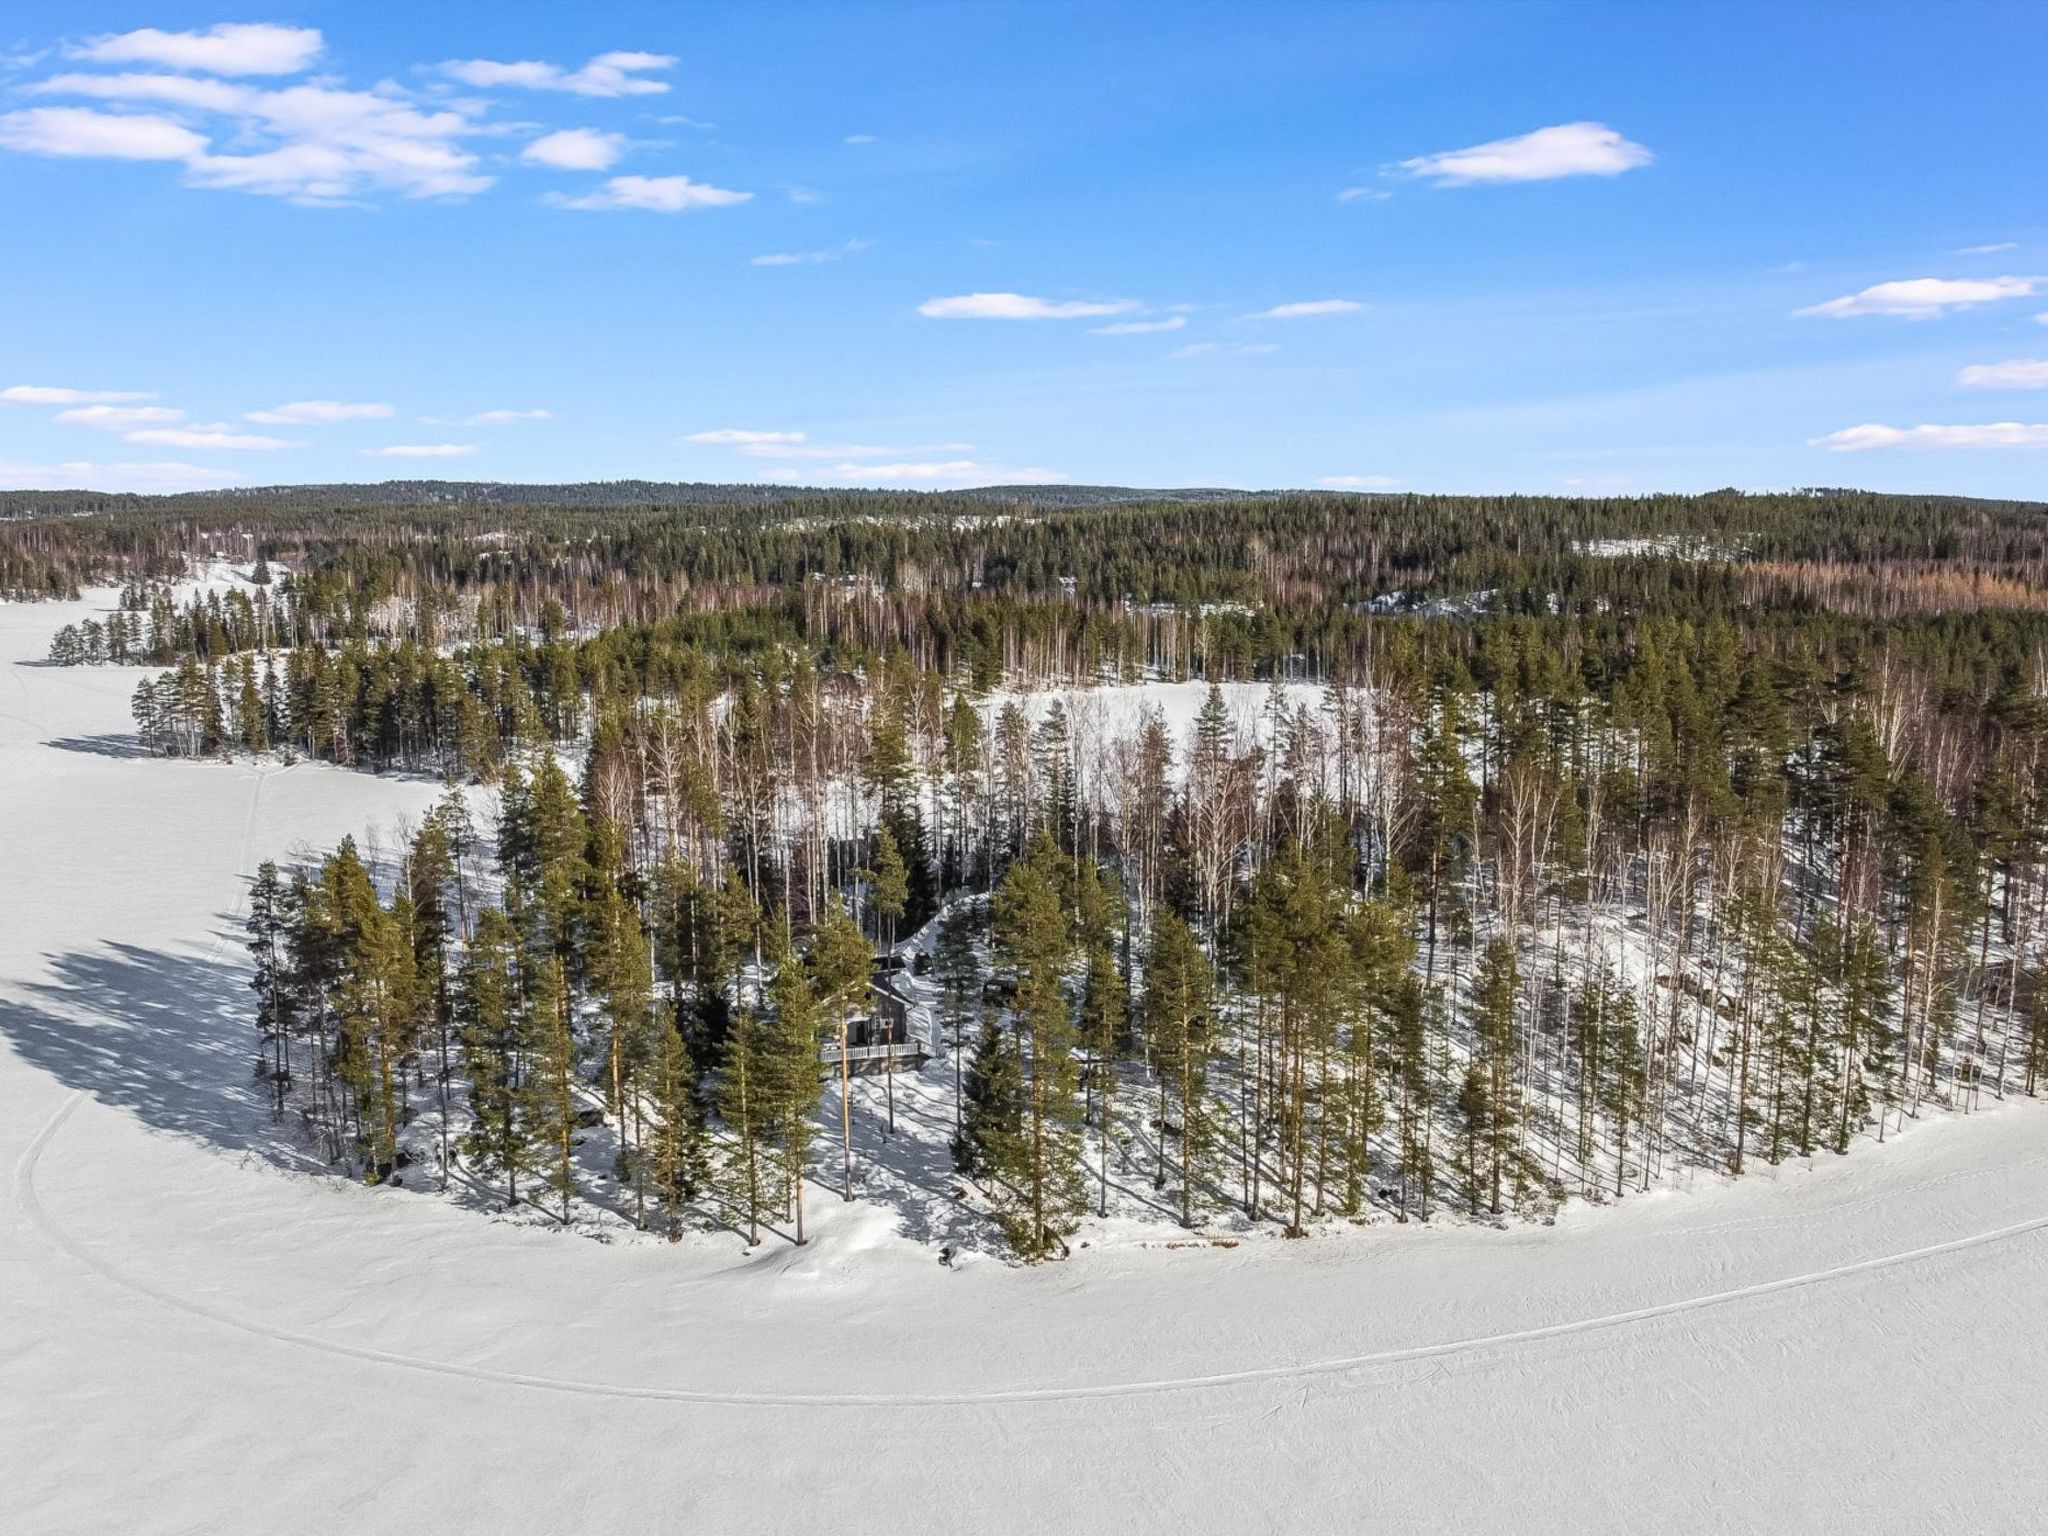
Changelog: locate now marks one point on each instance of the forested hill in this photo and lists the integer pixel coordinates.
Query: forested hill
(589, 493)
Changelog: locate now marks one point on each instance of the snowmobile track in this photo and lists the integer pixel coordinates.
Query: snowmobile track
(31, 1203)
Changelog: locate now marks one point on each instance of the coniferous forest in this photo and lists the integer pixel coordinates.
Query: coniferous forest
(1221, 862)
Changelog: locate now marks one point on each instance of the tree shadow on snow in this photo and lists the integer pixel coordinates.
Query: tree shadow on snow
(166, 1037)
(121, 745)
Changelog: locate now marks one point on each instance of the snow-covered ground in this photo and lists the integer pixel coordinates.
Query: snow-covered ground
(196, 1335)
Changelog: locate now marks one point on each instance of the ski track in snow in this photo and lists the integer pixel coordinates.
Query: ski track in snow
(25, 1194)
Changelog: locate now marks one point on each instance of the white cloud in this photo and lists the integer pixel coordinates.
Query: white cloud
(811, 258)
(1925, 298)
(501, 418)
(1217, 349)
(175, 90)
(2020, 373)
(575, 149)
(1363, 195)
(655, 194)
(741, 437)
(1569, 149)
(118, 418)
(609, 74)
(847, 450)
(798, 445)
(1357, 482)
(333, 144)
(80, 131)
(421, 451)
(946, 472)
(207, 437)
(51, 394)
(315, 143)
(1989, 250)
(228, 49)
(1140, 327)
(1307, 309)
(301, 413)
(858, 139)
(1018, 306)
(1996, 434)
(147, 479)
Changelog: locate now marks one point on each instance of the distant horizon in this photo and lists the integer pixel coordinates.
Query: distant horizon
(1043, 486)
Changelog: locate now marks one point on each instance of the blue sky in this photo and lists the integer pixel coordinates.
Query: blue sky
(1472, 248)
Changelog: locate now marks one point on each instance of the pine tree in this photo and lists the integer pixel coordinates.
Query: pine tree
(1043, 1183)
(843, 963)
(270, 917)
(671, 1153)
(891, 894)
(794, 1080)
(957, 970)
(498, 1049)
(1179, 996)
(1496, 1103)
(554, 1080)
(747, 1103)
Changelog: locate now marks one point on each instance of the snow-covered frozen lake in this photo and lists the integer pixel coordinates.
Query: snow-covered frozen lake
(195, 1337)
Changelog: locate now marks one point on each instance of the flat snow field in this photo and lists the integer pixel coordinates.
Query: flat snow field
(197, 1337)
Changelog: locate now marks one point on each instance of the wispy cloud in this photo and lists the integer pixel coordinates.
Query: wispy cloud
(858, 139)
(811, 258)
(798, 445)
(1925, 298)
(1220, 349)
(51, 394)
(503, 418)
(144, 478)
(1996, 434)
(653, 194)
(933, 474)
(302, 413)
(2020, 373)
(1308, 309)
(741, 437)
(208, 438)
(1569, 149)
(1363, 195)
(228, 49)
(609, 74)
(421, 451)
(1140, 327)
(1018, 306)
(1989, 250)
(118, 418)
(575, 149)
